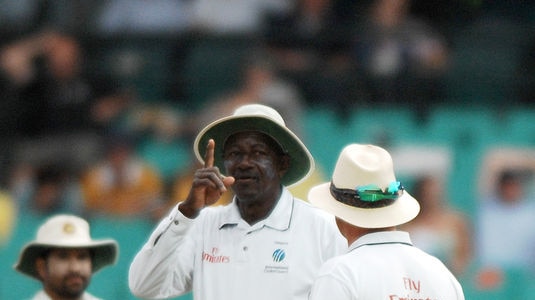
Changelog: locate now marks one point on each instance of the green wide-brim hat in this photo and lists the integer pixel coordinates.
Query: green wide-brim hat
(264, 119)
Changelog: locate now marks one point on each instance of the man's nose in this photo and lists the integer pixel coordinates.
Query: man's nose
(245, 158)
(76, 263)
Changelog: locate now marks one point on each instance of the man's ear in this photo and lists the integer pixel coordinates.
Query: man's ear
(40, 267)
(284, 164)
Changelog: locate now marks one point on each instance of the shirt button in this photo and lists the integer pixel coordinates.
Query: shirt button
(245, 248)
(176, 222)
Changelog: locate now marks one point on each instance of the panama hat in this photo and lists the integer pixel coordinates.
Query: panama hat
(66, 231)
(264, 119)
(363, 190)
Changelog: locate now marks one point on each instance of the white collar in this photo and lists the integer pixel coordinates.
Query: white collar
(278, 219)
(382, 237)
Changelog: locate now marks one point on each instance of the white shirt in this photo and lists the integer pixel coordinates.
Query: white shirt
(385, 265)
(41, 295)
(502, 224)
(220, 256)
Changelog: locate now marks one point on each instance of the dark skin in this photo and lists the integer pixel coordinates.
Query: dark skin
(255, 165)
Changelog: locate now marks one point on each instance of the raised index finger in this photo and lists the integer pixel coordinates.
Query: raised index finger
(209, 155)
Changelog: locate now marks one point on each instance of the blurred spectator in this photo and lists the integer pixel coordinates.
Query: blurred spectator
(140, 17)
(163, 145)
(49, 71)
(505, 231)
(440, 229)
(223, 32)
(122, 184)
(47, 189)
(311, 46)
(403, 59)
(61, 109)
(260, 83)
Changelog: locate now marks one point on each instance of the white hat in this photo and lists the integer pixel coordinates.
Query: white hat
(364, 191)
(260, 118)
(66, 231)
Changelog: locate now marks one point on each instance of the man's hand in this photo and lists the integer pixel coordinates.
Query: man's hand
(207, 187)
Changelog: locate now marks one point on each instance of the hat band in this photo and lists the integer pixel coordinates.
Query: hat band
(364, 198)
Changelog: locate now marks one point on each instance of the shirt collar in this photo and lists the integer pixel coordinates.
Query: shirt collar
(278, 219)
(383, 237)
(42, 295)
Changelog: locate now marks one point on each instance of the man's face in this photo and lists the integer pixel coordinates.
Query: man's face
(256, 163)
(512, 191)
(65, 273)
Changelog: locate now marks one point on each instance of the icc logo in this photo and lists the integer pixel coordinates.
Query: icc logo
(278, 255)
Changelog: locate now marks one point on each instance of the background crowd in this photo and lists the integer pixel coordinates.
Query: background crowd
(100, 101)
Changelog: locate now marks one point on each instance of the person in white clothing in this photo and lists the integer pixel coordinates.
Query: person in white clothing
(265, 244)
(381, 263)
(64, 258)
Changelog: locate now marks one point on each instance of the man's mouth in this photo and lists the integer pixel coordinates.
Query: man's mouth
(75, 280)
(245, 178)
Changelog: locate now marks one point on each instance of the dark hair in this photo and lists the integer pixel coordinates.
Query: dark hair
(510, 175)
(50, 173)
(44, 253)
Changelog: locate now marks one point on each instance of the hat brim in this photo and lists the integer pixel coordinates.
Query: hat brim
(301, 161)
(105, 253)
(404, 209)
